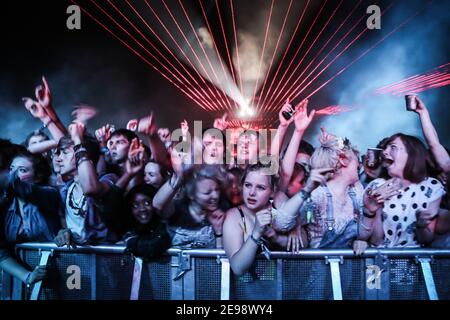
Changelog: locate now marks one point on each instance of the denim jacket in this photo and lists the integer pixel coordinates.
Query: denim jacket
(39, 220)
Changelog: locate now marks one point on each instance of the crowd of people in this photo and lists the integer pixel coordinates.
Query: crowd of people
(74, 188)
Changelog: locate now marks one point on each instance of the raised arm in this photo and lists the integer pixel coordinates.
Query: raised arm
(87, 173)
(281, 130)
(302, 122)
(437, 149)
(286, 216)
(147, 126)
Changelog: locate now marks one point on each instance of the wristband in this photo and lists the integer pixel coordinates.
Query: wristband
(218, 235)
(258, 242)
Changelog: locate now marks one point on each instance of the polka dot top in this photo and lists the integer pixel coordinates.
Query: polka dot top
(399, 212)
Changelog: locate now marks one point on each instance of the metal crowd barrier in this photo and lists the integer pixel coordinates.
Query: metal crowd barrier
(105, 273)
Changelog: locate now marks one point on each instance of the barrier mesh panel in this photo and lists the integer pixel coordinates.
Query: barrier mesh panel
(207, 279)
(441, 272)
(406, 280)
(55, 286)
(114, 276)
(155, 280)
(257, 284)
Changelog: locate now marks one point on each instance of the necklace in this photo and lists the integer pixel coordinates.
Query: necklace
(77, 207)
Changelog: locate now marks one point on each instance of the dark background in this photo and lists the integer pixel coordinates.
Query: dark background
(90, 66)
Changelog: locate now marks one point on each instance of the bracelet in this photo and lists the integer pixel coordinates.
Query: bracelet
(79, 147)
(79, 155)
(258, 242)
(80, 161)
(304, 195)
(45, 125)
(104, 150)
(218, 235)
(370, 216)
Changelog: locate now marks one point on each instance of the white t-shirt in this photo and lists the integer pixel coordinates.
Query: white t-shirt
(399, 212)
(75, 218)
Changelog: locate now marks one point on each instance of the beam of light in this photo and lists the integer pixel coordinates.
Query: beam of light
(232, 91)
(263, 49)
(197, 101)
(435, 78)
(422, 85)
(217, 83)
(362, 55)
(333, 110)
(285, 52)
(140, 44)
(184, 55)
(218, 99)
(226, 42)
(288, 92)
(237, 45)
(187, 82)
(274, 52)
(204, 93)
(365, 29)
(295, 55)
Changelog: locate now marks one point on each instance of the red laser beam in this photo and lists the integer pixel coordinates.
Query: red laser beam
(274, 52)
(227, 75)
(193, 51)
(288, 92)
(183, 53)
(197, 93)
(296, 53)
(286, 51)
(435, 78)
(335, 58)
(363, 54)
(263, 49)
(333, 110)
(140, 56)
(236, 44)
(206, 55)
(136, 41)
(226, 42)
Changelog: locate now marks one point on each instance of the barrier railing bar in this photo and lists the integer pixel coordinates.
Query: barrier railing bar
(136, 281)
(335, 276)
(45, 255)
(428, 276)
(225, 279)
(372, 252)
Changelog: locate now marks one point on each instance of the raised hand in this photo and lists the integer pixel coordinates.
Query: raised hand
(104, 133)
(77, 130)
(221, 123)
(420, 106)
(316, 178)
(326, 137)
(285, 108)
(164, 135)
(83, 113)
(35, 108)
(132, 125)
(184, 128)
(135, 161)
(147, 125)
(43, 94)
(301, 118)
